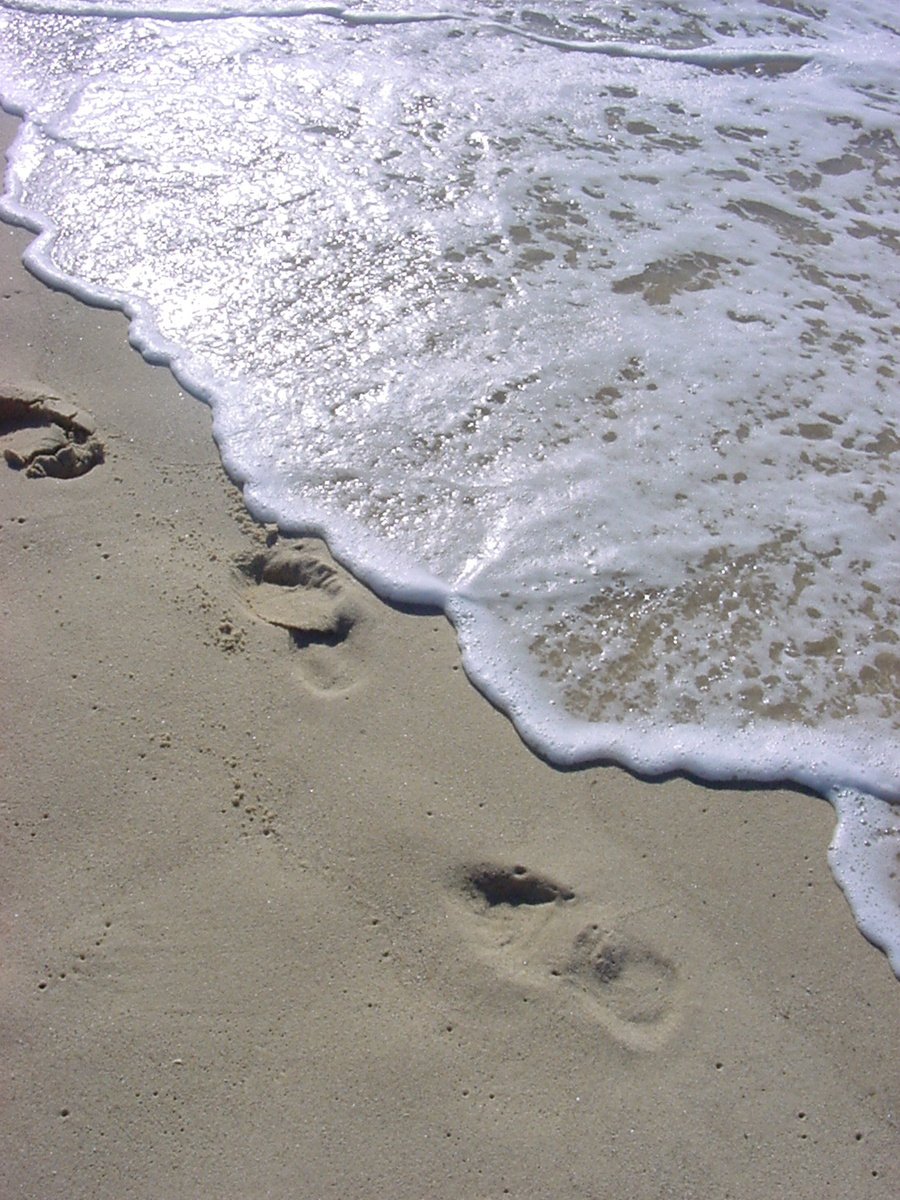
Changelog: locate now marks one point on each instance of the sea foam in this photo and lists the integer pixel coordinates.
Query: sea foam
(576, 322)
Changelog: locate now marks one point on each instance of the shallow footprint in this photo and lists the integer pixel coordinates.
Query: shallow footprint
(46, 437)
(532, 929)
(297, 586)
(632, 988)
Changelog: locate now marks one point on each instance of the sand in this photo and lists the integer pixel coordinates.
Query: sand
(288, 910)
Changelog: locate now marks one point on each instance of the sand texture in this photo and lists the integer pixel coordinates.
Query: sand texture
(288, 910)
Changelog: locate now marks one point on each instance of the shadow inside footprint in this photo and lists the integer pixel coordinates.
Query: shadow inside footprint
(296, 590)
(47, 438)
(515, 886)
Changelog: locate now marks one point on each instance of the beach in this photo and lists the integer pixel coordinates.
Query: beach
(289, 910)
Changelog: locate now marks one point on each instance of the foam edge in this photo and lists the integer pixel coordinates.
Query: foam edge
(864, 857)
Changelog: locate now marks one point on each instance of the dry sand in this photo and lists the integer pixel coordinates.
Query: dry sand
(260, 839)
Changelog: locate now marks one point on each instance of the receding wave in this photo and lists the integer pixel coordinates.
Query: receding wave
(577, 322)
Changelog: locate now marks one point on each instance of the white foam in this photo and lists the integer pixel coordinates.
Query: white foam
(865, 858)
(579, 327)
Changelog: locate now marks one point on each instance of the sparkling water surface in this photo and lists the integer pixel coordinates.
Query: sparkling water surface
(578, 320)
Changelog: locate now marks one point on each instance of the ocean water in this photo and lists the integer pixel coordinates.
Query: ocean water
(578, 320)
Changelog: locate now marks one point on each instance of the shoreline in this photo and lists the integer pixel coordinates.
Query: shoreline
(261, 840)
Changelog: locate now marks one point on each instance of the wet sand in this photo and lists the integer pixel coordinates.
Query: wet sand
(288, 910)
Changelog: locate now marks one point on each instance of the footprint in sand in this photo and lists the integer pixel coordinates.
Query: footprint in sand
(46, 437)
(634, 982)
(537, 933)
(297, 586)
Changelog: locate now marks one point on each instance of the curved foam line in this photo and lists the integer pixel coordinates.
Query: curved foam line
(710, 59)
(349, 17)
(404, 581)
(142, 335)
(119, 12)
(863, 858)
(786, 754)
(771, 754)
(707, 59)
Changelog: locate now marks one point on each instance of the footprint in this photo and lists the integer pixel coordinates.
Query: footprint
(297, 586)
(626, 978)
(534, 932)
(47, 437)
(515, 886)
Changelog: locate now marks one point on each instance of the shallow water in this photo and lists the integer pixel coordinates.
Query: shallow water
(577, 321)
